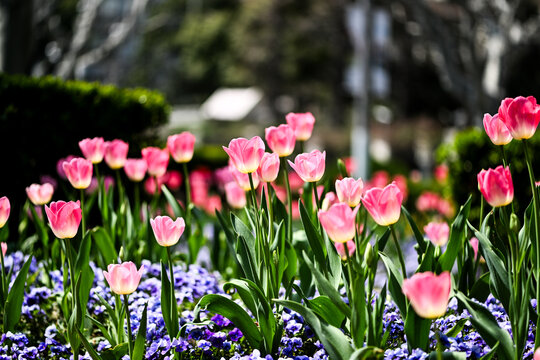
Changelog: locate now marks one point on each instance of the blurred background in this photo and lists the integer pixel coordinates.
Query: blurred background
(387, 80)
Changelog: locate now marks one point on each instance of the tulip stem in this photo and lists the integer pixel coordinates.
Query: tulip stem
(270, 213)
(400, 253)
(174, 305)
(439, 344)
(289, 197)
(83, 213)
(188, 207)
(315, 195)
(3, 278)
(71, 273)
(536, 232)
(128, 319)
(120, 188)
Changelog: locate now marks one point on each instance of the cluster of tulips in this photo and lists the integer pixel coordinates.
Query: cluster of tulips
(305, 266)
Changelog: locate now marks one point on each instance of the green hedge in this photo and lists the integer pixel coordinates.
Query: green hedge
(43, 119)
(472, 150)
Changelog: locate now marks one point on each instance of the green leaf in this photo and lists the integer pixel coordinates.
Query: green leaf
(13, 305)
(491, 353)
(226, 307)
(447, 355)
(368, 353)
(166, 301)
(457, 328)
(313, 236)
(93, 353)
(336, 344)
(480, 289)
(244, 231)
(103, 329)
(105, 245)
(172, 201)
(487, 326)
(427, 260)
(325, 308)
(456, 238)
(417, 330)
(83, 255)
(395, 279)
(422, 243)
(140, 340)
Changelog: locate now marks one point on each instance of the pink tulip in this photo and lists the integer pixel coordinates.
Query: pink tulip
(60, 166)
(212, 204)
(309, 166)
(340, 247)
(167, 231)
(401, 183)
(116, 153)
(269, 168)
(4, 249)
(441, 172)
(384, 205)
(474, 244)
(302, 123)
(123, 278)
(93, 149)
(329, 199)
(437, 233)
(156, 159)
(246, 154)
(295, 182)
(135, 169)
(496, 130)
(79, 172)
(280, 139)
(173, 180)
(199, 194)
(520, 115)
(236, 196)
(536, 355)
(379, 179)
(349, 191)
(428, 293)
(64, 218)
(496, 186)
(150, 184)
(181, 146)
(243, 179)
(40, 194)
(339, 222)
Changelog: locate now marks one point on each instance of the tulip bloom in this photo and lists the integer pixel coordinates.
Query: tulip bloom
(93, 149)
(212, 204)
(236, 196)
(173, 179)
(167, 231)
(349, 191)
(384, 205)
(496, 130)
(116, 153)
(428, 293)
(437, 233)
(269, 168)
(536, 355)
(40, 194)
(340, 247)
(181, 146)
(60, 166)
(280, 139)
(243, 179)
(302, 123)
(329, 199)
(79, 172)
(246, 154)
(520, 115)
(309, 166)
(474, 244)
(64, 218)
(339, 222)
(135, 169)
(4, 249)
(496, 186)
(156, 159)
(123, 278)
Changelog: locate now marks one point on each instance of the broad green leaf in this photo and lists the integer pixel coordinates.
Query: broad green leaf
(313, 236)
(105, 245)
(487, 326)
(166, 302)
(456, 238)
(172, 201)
(337, 345)
(13, 305)
(93, 353)
(457, 328)
(422, 243)
(244, 231)
(232, 311)
(139, 346)
(448, 355)
(491, 353)
(83, 254)
(395, 279)
(325, 308)
(368, 353)
(427, 260)
(480, 289)
(103, 329)
(417, 330)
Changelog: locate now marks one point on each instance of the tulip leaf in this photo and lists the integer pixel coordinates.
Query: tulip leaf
(395, 279)
(456, 238)
(427, 261)
(491, 353)
(325, 308)
(457, 328)
(172, 201)
(480, 289)
(244, 231)
(422, 243)
(83, 254)
(367, 353)
(105, 245)
(91, 351)
(336, 344)
(448, 355)
(103, 329)
(313, 236)
(417, 330)
(166, 302)
(226, 307)
(138, 348)
(487, 326)
(13, 305)
(342, 168)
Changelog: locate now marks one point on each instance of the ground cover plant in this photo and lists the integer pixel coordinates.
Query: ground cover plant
(297, 264)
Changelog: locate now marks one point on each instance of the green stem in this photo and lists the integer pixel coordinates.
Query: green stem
(270, 213)
(188, 202)
(316, 196)
(155, 197)
(439, 344)
(83, 222)
(71, 273)
(128, 319)
(400, 253)
(3, 278)
(289, 198)
(137, 205)
(120, 189)
(174, 305)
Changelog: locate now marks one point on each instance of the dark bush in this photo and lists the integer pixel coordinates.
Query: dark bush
(472, 150)
(43, 119)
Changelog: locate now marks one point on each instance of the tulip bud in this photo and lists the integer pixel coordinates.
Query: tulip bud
(514, 223)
